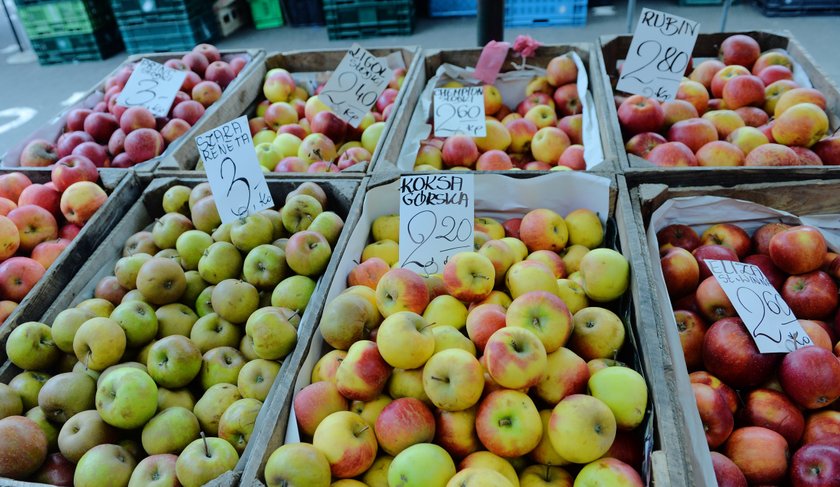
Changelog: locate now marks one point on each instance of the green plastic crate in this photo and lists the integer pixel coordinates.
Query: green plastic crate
(267, 14)
(65, 17)
(353, 19)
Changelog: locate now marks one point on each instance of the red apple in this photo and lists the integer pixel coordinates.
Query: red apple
(197, 62)
(705, 71)
(728, 235)
(220, 73)
(774, 73)
(822, 428)
(143, 144)
(100, 126)
(35, 225)
(45, 253)
(189, 111)
(771, 154)
(692, 330)
(641, 144)
(811, 296)
(714, 252)
(774, 410)
(727, 473)
(69, 140)
(771, 272)
(681, 272)
(713, 302)
(716, 417)
(761, 237)
(18, 275)
(459, 150)
(97, 154)
(740, 49)
(329, 124)
(41, 195)
(729, 353)
(807, 157)
(639, 114)
(567, 101)
(694, 133)
(572, 157)
(760, 453)
(386, 98)
(729, 395)
(677, 235)
(136, 118)
(798, 250)
(174, 129)
(752, 116)
(829, 150)
(815, 466)
(811, 377)
(742, 91)
(75, 120)
(672, 154)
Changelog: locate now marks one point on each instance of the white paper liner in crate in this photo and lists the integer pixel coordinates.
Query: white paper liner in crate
(511, 86)
(701, 212)
(562, 193)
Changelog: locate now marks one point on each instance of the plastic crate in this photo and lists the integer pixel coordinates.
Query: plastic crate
(170, 36)
(140, 12)
(692, 3)
(303, 13)
(230, 16)
(536, 13)
(798, 8)
(353, 19)
(95, 46)
(68, 17)
(267, 14)
(453, 8)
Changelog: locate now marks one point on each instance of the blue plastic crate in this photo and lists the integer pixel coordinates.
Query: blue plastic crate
(453, 8)
(95, 46)
(536, 13)
(170, 36)
(798, 8)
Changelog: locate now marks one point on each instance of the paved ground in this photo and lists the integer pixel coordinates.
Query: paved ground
(42, 89)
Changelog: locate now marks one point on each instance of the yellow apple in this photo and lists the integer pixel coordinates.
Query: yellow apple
(544, 453)
(585, 228)
(598, 333)
(529, 275)
(624, 391)
(520, 251)
(479, 477)
(386, 227)
(447, 337)
(545, 476)
(572, 294)
(605, 274)
(491, 227)
(405, 340)
(453, 379)
(572, 256)
(490, 461)
(446, 310)
(387, 250)
(581, 428)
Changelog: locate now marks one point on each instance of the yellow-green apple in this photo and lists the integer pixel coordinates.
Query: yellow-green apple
(371, 136)
(624, 391)
(459, 150)
(161, 280)
(598, 333)
(803, 125)
(521, 132)
(249, 232)
(213, 403)
(405, 340)
(386, 227)
(730, 354)
(11, 403)
(138, 321)
(447, 337)
(403, 290)
(797, 96)
(220, 261)
(348, 442)
(40, 153)
(268, 155)
(273, 335)
(543, 229)
(692, 329)
(585, 228)
(508, 424)
(421, 465)
(723, 76)
(446, 310)
(724, 121)
(609, 471)
(566, 373)
(639, 114)
(347, 319)
(363, 373)
(572, 294)
(497, 136)
(774, 91)
(220, 365)
(693, 93)
(177, 318)
(170, 431)
(811, 296)
(368, 273)
(429, 156)
(520, 251)
(541, 116)
(491, 227)
(328, 224)
(234, 300)
(30, 346)
(278, 85)
(539, 84)
(544, 453)
(325, 367)
(772, 155)
(204, 460)
(264, 266)
(299, 212)
(407, 383)
(561, 70)
(453, 380)
(111, 462)
(256, 378)
(549, 143)
(127, 398)
(776, 411)
(545, 315)
(798, 250)
(760, 453)
(174, 361)
(99, 343)
(492, 99)
(680, 271)
(155, 470)
(475, 477)
(82, 432)
(236, 425)
(293, 293)
(387, 250)
(297, 464)
(483, 321)
(581, 428)
(671, 154)
(455, 431)
(264, 137)
(404, 422)
(469, 276)
(370, 410)
(605, 274)
(9, 238)
(747, 139)
(515, 357)
(101, 308)
(822, 428)
(64, 395)
(545, 475)
(530, 275)
(809, 376)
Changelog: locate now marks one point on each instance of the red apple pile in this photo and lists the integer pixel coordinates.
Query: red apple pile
(773, 418)
(182, 342)
(743, 109)
(37, 221)
(543, 132)
(503, 363)
(296, 132)
(113, 135)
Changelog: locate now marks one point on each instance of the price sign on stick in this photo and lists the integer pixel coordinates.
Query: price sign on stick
(766, 315)
(459, 111)
(152, 85)
(355, 85)
(659, 54)
(436, 220)
(235, 177)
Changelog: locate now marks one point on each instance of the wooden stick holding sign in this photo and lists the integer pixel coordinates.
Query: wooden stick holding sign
(153, 86)
(659, 55)
(355, 85)
(236, 179)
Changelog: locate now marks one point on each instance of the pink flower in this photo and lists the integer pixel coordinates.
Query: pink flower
(526, 46)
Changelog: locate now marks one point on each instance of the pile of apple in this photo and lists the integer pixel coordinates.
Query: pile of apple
(503, 365)
(742, 110)
(296, 132)
(113, 135)
(37, 221)
(759, 410)
(544, 132)
(160, 376)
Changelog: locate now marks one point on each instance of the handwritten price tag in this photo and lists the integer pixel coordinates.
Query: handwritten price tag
(355, 85)
(460, 111)
(436, 220)
(237, 182)
(658, 55)
(768, 318)
(152, 85)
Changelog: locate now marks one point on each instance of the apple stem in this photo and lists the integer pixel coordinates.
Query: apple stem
(441, 379)
(206, 448)
(548, 473)
(365, 428)
(429, 325)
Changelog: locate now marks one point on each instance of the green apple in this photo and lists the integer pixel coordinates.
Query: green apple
(30, 346)
(405, 340)
(109, 370)
(268, 155)
(370, 410)
(348, 442)
(624, 391)
(176, 199)
(453, 379)
(486, 460)
(195, 284)
(605, 274)
(256, 378)
(347, 319)
(421, 465)
(220, 261)
(127, 398)
(161, 280)
(211, 331)
(446, 310)
(371, 136)
(203, 460)
(237, 422)
(66, 363)
(293, 293)
(82, 369)
(205, 215)
(407, 383)
(308, 253)
(508, 423)
(249, 232)
(246, 346)
(377, 474)
(82, 432)
(287, 145)
(299, 212)
(168, 228)
(133, 295)
(297, 464)
(171, 254)
(234, 300)
(169, 398)
(64, 327)
(276, 222)
(99, 343)
(66, 394)
(311, 189)
(386, 227)
(581, 428)
(191, 246)
(170, 431)
(265, 266)
(104, 465)
(175, 319)
(220, 365)
(126, 269)
(27, 385)
(222, 233)
(203, 304)
(155, 471)
(98, 306)
(174, 361)
(328, 224)
(447, 337)
(212, 404)
(49, 428)
(138, 321)
(272, 334)
(139, 243)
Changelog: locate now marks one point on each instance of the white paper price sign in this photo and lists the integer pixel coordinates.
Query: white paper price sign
(436, 220)
(459, 111)
(768, 318)
(355, 84)
(659, 54)
(235, 177)
(152, 85)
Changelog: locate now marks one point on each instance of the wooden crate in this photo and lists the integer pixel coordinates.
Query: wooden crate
(469, 57)
(666, 465)
(316, 61)
(637, 170)
(344, 198)
(184, 147)
(123, 190)
(801, 198)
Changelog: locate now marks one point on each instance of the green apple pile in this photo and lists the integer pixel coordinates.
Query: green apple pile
(500, 371)
(161, 375)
